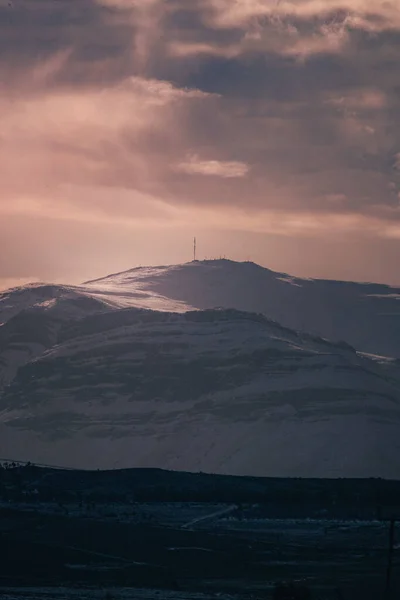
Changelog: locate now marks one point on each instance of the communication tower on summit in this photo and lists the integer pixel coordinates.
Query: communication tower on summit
(194, 248)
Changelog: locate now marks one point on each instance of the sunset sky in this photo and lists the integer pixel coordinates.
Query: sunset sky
(270, 129)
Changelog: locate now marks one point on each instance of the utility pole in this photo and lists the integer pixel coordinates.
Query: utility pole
(194, 248)
(390, 559)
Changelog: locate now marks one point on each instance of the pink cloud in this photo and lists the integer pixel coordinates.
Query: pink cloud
(228, 14)
(217, 168)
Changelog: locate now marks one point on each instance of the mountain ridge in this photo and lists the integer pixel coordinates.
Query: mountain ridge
(366, 315)
(132, 371)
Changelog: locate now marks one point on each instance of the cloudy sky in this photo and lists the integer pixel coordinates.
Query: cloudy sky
(270, 129)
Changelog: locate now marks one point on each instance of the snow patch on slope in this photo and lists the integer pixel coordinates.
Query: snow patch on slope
(130, 289)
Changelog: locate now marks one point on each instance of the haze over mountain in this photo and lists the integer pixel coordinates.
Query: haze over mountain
(90, 377)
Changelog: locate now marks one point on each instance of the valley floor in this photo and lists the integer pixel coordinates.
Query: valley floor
(192, 551)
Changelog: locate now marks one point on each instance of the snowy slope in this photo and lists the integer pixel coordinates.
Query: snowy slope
(135, 288)
(365, 315)
(119, 292)
(31, 318)
(218, 391)
(23, 337)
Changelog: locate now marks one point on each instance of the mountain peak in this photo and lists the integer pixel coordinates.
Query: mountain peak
(331, 309)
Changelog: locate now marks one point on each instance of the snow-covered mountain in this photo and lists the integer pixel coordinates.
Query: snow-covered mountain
(89, 377)
(366, 315)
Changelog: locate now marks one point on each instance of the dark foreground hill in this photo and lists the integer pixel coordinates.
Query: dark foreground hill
(177, 536)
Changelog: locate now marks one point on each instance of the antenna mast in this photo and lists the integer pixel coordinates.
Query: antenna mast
(194, 248)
